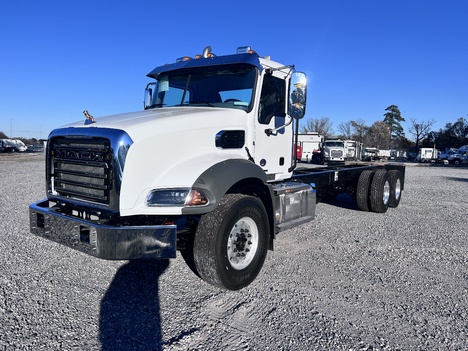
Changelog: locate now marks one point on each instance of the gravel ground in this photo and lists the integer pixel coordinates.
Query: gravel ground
(347, 281)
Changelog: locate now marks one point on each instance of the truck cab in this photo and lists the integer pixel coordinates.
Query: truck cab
(238, 107)
(116, 192)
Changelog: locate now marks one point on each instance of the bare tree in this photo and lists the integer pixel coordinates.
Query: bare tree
(323, 126)
(345, 129)
(420, 130)
(360, 130)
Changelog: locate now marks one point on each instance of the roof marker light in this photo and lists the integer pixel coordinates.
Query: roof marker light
(185, 58)
(245, 50)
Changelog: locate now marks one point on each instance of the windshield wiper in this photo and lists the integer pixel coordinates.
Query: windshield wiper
(203, 103)
(157, 105)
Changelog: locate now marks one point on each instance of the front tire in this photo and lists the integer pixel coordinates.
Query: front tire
(231, 243)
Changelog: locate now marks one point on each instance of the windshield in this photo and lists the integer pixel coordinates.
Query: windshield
(334, 144)
(217, 86)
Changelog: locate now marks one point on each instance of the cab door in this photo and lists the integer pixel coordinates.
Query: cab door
(273, 144)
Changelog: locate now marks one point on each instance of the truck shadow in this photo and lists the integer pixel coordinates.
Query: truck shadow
(130, 313)
(342, 200)
(457, 179)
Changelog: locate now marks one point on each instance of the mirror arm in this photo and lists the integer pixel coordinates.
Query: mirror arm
(270, 131)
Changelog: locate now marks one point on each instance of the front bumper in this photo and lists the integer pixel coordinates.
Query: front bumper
(103, 241)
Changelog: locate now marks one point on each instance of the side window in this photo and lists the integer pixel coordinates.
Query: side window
(272, 99)
(173, 96)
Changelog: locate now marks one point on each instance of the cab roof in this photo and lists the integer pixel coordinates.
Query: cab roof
(187, 62)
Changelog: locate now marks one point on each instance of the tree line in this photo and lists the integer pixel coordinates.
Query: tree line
(388, 132)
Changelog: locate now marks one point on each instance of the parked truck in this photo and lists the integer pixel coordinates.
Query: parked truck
(12, 145)
(459, 156)
(446, 155)
(114, 192)
(427, 154)
(334, 151)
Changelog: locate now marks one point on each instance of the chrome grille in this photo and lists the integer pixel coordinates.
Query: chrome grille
(81, 168)
(336, 153)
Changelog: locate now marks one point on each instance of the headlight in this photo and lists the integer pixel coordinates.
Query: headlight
(176, 197)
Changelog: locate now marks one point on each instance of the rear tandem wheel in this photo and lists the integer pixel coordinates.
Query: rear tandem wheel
(362, 190)
(396, 181)
(373, 191)
(380, 191)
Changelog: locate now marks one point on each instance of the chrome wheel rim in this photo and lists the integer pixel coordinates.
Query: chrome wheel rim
(386, 192)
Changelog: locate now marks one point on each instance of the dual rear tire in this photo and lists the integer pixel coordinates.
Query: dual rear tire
(378, 190)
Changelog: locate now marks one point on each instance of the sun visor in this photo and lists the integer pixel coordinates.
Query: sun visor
(210, 61)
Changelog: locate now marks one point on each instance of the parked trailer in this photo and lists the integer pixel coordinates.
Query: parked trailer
(310, 144)
(114, 193)
(353, 150)
(370, 154)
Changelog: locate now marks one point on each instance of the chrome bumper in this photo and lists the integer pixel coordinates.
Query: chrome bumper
(103, 241)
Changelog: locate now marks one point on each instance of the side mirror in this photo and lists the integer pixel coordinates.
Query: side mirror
(298, 95)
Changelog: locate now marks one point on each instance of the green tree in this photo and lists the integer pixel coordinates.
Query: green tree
(378, 136)
(453, 135)
(403, 143)
(393, 118)
(460, 129)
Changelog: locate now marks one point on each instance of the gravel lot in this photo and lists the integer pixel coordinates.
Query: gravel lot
(347, 281)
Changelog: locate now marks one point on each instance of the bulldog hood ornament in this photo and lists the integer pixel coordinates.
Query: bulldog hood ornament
(89, 118)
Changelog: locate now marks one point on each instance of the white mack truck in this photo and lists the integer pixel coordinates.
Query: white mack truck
(334, 151)
(114, 191)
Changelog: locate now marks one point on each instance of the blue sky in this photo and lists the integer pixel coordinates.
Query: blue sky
(59, 58)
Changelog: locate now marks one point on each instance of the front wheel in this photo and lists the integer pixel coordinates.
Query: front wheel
(231, 243)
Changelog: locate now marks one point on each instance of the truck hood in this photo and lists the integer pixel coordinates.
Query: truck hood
(171, 148)
(148, 123)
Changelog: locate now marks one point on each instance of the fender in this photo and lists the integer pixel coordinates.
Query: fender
(216, 181)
